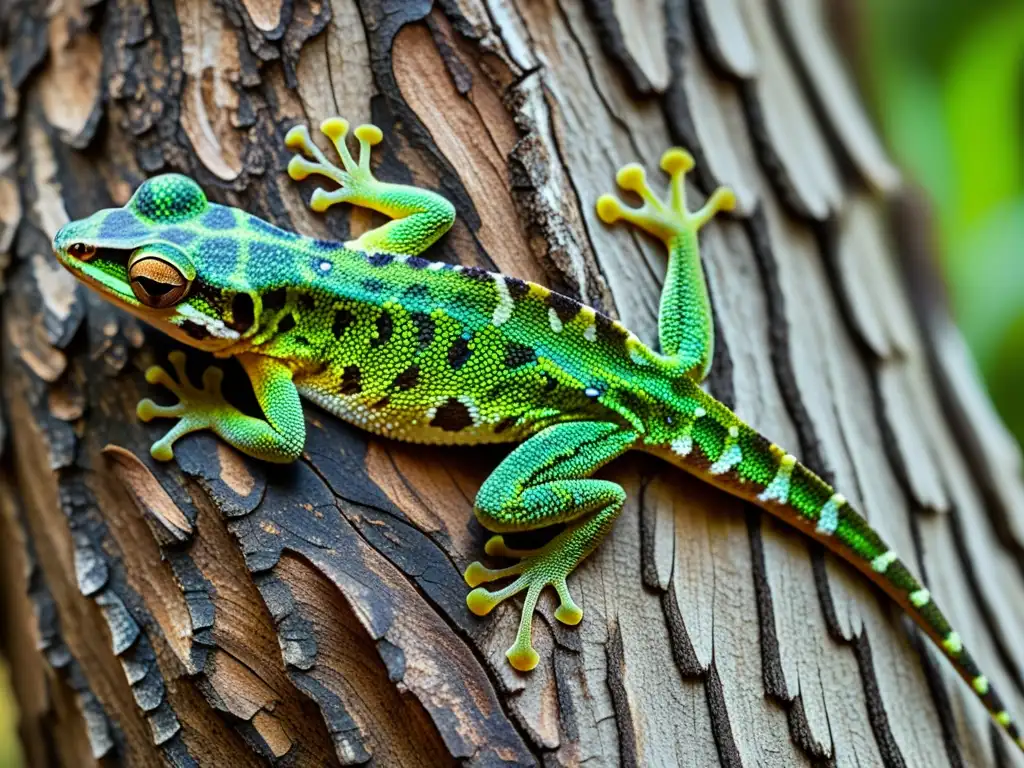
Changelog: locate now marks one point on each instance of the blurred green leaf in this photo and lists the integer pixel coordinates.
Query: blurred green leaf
(948, 86)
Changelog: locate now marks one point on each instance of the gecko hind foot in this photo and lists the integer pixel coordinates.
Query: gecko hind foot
(354, 178)
(665, 220)
(195, 410)
(536, 569)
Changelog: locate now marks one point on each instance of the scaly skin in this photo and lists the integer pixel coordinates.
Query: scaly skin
(434, 353)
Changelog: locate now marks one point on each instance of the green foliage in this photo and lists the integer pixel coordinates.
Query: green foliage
(949, 91)
(10, 756)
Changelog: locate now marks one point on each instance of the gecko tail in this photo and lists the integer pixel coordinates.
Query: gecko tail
(810, 504)
(713, 444)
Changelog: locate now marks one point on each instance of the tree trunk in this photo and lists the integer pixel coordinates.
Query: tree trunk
(219, 611)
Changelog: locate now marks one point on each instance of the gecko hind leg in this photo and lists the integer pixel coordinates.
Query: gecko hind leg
(546, 480)
(685, 324)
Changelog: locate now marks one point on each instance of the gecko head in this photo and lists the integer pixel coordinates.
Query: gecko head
(154, 258)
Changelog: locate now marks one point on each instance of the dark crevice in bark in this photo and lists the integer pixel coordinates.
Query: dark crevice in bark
(628, 748)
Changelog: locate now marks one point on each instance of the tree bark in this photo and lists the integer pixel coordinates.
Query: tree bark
(218, 611)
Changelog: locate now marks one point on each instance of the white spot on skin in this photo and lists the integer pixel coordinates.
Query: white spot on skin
(214, 325)
(828, 520)
(920, 598)
(554, 320)
(731, 454)
(325, 266)
(590, 333)
(953, 644)
(592, 392)
(699, 413)
(503, 311)
(436, 265)
(682, 445)
(881, 563)
(980, 684)
(778, 489)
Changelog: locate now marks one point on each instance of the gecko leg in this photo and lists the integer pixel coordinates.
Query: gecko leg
(546, 480)
(685, 324)
(278, 438)
(419, 216)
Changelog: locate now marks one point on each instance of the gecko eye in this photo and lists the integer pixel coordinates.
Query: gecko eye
(81, 251)
(157, 283)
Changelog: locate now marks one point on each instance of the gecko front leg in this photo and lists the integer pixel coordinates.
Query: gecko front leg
(278, 438)
(419, 216)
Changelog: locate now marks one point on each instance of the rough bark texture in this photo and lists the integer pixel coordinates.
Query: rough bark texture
(220, 612)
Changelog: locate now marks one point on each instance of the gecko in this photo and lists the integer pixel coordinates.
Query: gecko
(441, 354)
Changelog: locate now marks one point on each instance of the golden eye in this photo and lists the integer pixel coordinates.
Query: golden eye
(157, 283)
(81, 251)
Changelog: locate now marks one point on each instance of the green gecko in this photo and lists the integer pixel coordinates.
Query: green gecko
(435, 353)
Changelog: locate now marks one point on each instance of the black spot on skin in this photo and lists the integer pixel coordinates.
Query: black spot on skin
(195, 330)
(306, 302)
(425, 327)
(459, 353)
(408, 378)
(516, 288)
(218, 217)
(342, 320)
(275, 299)
(326, 245)
(286, 323)
(301, 340)
(417, 262)
(121, 224)
(608, 332)
(373, 286)
(453, 416)
(564, 307)
(243, 312)
(550, 382)
(380, 259)
(351, 380)
(517, 354)
(385, 327)
(505, 424)
(476, 273)
(384, 402)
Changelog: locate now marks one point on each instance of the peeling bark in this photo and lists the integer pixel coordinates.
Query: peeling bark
(219, 611)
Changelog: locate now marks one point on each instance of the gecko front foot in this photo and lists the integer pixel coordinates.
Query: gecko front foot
(356, 181)
(663, 220)
(195, 410)
(536, 569)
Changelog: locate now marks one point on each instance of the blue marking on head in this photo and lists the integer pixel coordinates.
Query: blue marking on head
(121, 225)
(218, 217)
(274, 264)
(177, 235)
(220, 257)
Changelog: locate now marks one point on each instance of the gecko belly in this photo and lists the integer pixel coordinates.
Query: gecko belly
(449, 421)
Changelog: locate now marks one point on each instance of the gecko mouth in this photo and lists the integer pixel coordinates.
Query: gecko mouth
(106, 271)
